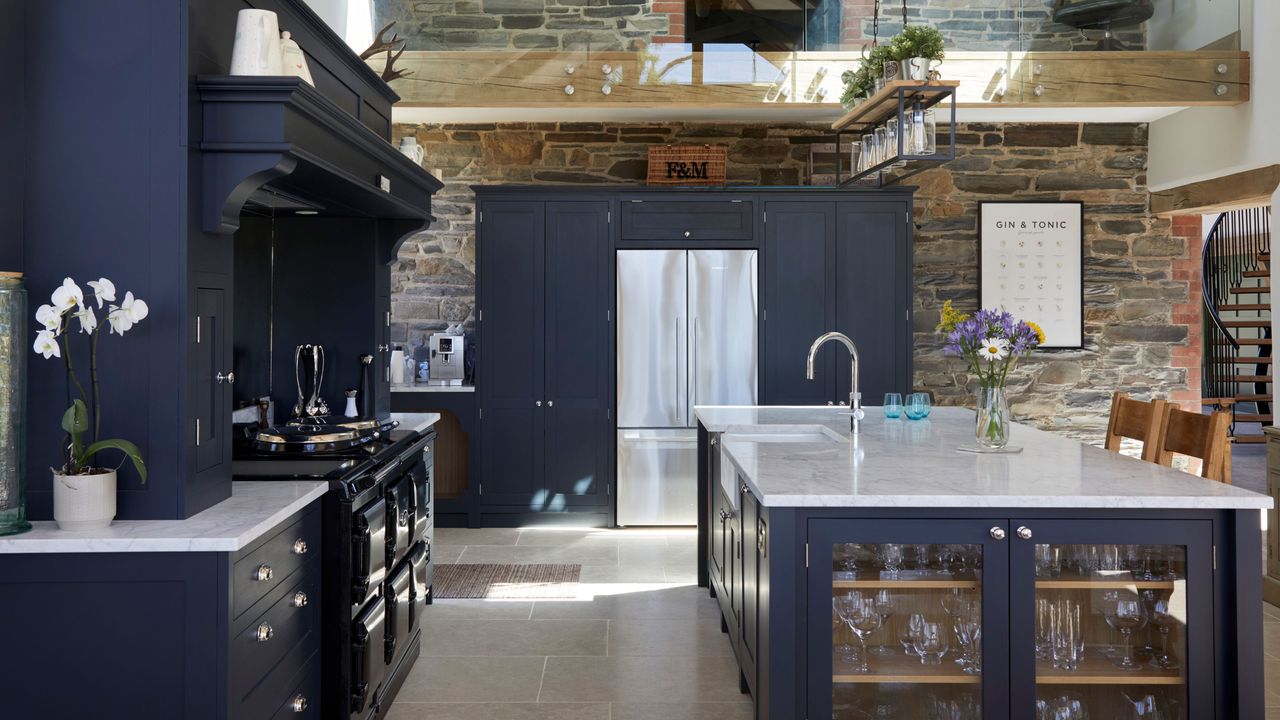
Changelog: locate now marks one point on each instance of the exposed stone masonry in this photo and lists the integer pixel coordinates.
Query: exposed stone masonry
(1134, 269)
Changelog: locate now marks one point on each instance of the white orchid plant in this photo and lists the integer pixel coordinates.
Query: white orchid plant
(68, 305)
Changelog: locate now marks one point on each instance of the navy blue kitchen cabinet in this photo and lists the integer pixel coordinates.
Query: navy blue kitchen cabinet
(195, 635)
(841, 265)
(775, 572)
(188, 156)
(544, 374)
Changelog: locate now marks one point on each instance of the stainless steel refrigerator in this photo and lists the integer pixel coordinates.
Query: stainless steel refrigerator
(687, 335)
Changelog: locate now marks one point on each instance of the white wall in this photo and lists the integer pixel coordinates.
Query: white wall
(1191, 24)
(1204, 143)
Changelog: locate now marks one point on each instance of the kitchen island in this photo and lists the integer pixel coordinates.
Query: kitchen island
(810, 532)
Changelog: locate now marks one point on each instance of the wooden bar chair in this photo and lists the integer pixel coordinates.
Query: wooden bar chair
(1137, 420)
(1199, 436)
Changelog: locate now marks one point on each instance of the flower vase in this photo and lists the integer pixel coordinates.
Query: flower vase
(992, 430)
(84, 502)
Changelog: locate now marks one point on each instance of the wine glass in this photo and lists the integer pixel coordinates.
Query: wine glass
(1161, 616)
(860, 614)
(907, 633)
(840, 610)
(1126, 615)
(968, 627)
(931, 643)
(891, 555)
(885, 605)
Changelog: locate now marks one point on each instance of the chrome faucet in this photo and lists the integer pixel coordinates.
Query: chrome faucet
(855, 396)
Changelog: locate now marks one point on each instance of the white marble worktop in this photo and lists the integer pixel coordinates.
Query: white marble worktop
(252, 510)
(418, 422)
(914, 463)
(425, 388)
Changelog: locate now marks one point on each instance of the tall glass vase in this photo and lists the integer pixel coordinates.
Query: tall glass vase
(13, 404)
(992, 430)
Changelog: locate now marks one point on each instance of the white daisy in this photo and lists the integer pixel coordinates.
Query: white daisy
(994, 349)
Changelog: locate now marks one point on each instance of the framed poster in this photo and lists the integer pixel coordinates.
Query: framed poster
(1029, 259)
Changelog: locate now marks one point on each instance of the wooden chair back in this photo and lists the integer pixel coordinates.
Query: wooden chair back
(1137, 420)
(1199, 436)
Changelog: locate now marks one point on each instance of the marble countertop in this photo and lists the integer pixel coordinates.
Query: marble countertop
(415, 421)
(252, 510)
(905, 463)
(423, 387)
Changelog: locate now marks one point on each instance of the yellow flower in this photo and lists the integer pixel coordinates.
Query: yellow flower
(1038, 331)
(949, 318)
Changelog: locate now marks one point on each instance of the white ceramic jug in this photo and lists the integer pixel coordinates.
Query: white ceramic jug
(294, 61)
(257, 47)
(410, 148)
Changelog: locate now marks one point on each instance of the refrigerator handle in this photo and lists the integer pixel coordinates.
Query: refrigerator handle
(676, 372)
(693, 367)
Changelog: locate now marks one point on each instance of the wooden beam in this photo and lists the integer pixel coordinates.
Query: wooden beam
(672, 76)
(1245, 189)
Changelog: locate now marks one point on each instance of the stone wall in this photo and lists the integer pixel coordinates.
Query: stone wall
(1134, 271)
(631, 24)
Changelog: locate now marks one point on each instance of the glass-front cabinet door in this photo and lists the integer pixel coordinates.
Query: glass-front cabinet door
(912, 617)
(1111, 620)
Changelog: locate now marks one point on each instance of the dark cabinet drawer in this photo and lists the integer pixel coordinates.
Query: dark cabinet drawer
(368, 549)
(368, 662)
(261, 645)
(262, 569)
(399, 596)
(711, 219)
(302, 702)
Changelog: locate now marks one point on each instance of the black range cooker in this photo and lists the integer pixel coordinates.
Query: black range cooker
(377, 565)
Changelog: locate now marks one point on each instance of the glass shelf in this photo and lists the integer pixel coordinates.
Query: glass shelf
(1096, 670)
(903, 669)
(1103, 583)
(924, 584)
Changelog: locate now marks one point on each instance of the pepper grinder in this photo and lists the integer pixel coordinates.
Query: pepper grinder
(365, 394)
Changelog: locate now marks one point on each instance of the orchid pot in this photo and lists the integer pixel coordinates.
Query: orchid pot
(84, 491)
(86, 501)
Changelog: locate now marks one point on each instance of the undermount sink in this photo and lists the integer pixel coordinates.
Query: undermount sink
(784, 434)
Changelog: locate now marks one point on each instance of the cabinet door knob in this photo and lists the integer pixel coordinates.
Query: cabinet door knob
(998, 533)
(262, 573)
(298, 703)
(299, 599)
(229, 378)
(551, 403)
(538, 403)
(264, 633)
(686, 233)
(830, 402)
(299, 547)
(1024, 532)
(382, 348)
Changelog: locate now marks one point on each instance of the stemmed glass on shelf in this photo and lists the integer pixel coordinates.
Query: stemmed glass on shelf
(1125, 615)
(1161, 616)
(863, 618)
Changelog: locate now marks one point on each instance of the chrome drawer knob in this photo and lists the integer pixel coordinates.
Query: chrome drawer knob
(229, 378)
(263, 573)
(686, 233)
(299, 547)
(298, 703)
(264, 633)
(299, 599)
(998, 533)
(1024, 532)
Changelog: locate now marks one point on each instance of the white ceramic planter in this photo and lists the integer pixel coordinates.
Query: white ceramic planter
(84, 502)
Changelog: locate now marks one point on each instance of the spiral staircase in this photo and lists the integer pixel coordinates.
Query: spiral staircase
(1236, 369)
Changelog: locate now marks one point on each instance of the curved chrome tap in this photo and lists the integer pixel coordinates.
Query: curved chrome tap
(855, 396)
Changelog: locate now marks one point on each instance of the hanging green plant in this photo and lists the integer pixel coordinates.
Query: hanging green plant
(861, 83)
(917, 41)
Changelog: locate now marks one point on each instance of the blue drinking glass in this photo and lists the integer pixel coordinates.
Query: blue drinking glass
(893, 405)
(918, 406)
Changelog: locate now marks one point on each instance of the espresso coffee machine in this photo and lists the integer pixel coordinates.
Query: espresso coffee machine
(448, 358)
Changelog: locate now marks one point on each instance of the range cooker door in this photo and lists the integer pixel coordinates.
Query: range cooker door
(399, 609)
(368, 661)
(368, 549)
(400, 521)
(420, 560)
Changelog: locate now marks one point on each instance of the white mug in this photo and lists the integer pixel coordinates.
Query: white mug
(410, 148)
(257, 47)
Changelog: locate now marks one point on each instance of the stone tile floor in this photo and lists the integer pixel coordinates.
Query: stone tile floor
(642, 641)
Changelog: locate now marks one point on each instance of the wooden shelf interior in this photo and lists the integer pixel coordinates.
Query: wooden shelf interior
(1098, 670)
(884, 104)
(905, 584)
(1078, 583)
(901, 668)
